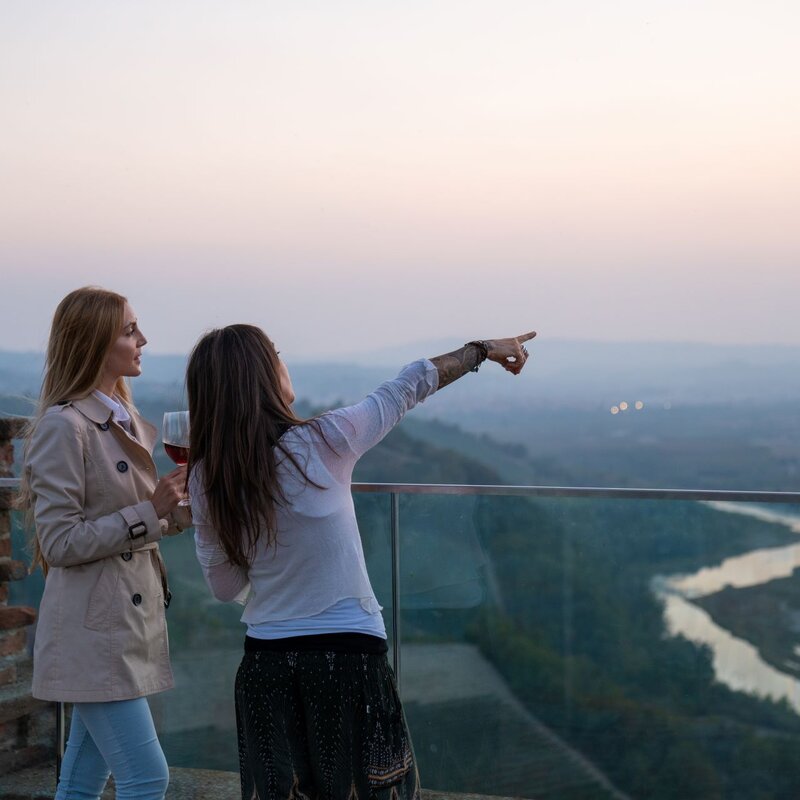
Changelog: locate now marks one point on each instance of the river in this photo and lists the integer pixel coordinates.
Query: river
(736, 662)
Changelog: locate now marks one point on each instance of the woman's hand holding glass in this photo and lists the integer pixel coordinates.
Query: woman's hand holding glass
(175, 436)
(170, 492)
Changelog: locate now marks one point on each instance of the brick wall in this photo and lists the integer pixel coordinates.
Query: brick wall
(27, 726)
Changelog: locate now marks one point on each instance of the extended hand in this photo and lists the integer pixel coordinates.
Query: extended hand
(511, 353)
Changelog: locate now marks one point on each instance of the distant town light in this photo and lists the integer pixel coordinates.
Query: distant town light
(638, 405)
(623, 406)
(615, 409)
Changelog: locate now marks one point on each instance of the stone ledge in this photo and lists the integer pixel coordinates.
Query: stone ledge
(16, 700)
(7, 498)
(12, 427)
(15, 616)
(11, 570)
(17, 703)
(185, 784)
(22, 757)
(13, 641)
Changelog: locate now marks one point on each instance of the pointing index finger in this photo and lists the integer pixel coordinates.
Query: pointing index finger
(526, 337)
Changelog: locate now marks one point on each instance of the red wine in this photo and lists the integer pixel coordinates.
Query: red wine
(180, 455)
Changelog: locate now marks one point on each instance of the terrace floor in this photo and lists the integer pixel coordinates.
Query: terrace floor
(38, 783)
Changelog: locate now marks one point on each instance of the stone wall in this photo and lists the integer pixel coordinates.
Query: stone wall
(27, 726)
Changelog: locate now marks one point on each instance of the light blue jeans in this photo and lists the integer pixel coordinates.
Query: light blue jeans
(116, 738)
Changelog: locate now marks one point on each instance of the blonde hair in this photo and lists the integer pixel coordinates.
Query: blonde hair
(85, 325)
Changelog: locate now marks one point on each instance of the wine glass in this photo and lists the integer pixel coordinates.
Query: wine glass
(175, 436)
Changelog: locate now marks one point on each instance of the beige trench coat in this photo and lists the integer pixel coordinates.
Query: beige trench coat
(101, 633)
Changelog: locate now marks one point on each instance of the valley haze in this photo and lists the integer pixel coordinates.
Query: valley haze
(711, 416)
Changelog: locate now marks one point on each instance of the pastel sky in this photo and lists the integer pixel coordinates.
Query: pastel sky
(353, 174)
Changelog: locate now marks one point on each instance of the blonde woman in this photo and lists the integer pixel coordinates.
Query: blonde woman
(99, 512)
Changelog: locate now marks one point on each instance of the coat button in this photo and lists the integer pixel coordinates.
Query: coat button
(122, 466)
(137, 599)
(127, 556)
(103, 426)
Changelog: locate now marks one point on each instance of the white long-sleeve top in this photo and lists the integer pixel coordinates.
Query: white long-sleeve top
(318, 560)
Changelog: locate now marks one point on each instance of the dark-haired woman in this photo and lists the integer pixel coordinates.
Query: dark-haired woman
(317, 710)
(100, 511)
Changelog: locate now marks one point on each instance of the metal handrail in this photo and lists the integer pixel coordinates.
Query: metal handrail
(635, 493)
(610, 492)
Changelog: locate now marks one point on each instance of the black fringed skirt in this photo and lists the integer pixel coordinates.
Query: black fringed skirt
(318, 718)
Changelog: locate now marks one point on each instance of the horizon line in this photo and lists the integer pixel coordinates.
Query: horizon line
(445, 341)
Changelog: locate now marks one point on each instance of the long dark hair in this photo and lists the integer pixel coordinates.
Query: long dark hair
(237, 415)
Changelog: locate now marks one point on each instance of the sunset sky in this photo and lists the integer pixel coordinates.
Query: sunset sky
(351, 175)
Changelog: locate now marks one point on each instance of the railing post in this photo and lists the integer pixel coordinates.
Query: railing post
(567, 619)
(59, 738)
(395, 527)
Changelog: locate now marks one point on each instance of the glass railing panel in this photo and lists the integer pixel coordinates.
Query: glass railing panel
(196, 720)
(591, 648)
(563, 648)
(373, 512)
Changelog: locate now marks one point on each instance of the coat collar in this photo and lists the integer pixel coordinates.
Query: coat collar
(93, 409)
(96, 411)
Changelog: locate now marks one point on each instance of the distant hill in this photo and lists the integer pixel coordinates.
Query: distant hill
(585, 372)
(713, 416)
(564, 373)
